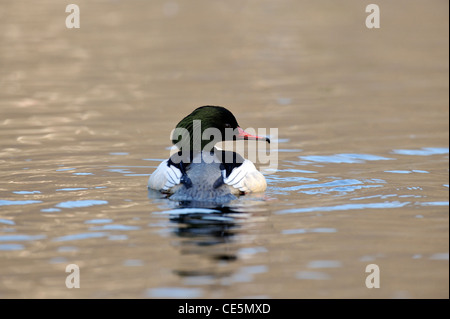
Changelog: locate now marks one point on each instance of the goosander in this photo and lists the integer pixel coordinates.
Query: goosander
(202, 172)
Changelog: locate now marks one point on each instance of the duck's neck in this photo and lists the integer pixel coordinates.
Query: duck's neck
(191, 137)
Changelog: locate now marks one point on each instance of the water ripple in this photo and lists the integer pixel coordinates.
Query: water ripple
(50, 210)
(344, 207)
(11, 247)
(114, 227)
(80, 236)
(293, 170)
(313, 275)
(21, 237)
(174, 292)
(344, 158)
(340, 189)
(310, 230)
(324, 264)
(440, 256)
(81, 203)
(18, 202)
(425, 151)
(288, 179)
(26, 192)
(375, 196)
(180, 211)
(433, 203)
(339, 183)
(407, 172)
(98, 221)
(119, 153)
(7, 222)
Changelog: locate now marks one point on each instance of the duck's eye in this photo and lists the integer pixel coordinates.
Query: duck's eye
(227, 125)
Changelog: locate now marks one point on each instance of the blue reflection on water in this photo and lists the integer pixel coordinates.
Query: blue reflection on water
(58, 260)
(324, 264)
(118, 237)
(174, 292)
(425, 151)
(257, 269)
(18, 202)
(375, 196)
(119, 170)
(344, 207)
(286, 150)
(398, 172)
(154, 159)
(309, 230)
(338, 189)
(137, 174)
(304, 183)
(344, 158)
(336, 185)
(50, 210)
(179, 211)
(65, 249)
(114, 227)
(7, 222)
(284, 100)
(252, 250)
(80, 236)
(440, 256)
(125, 170)
(81, 203)
(99, 221)
(26, 192)
(312, 275)
(433, 203)
(11, 247)
(407, 172)
(288, 179)
(133, 262)
(293, 170)
(21, 237)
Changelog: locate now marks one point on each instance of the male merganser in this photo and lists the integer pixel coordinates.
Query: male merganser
(202, 172)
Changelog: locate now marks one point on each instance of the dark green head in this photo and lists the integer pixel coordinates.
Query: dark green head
(208, 125)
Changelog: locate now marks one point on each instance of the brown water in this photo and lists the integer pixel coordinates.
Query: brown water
(362, 114)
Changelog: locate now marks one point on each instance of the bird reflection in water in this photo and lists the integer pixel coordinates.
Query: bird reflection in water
(209, 237)
(206, 228)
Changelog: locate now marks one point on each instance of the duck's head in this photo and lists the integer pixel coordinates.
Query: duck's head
(208, 125)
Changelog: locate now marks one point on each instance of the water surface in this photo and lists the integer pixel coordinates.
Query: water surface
(362, 176)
